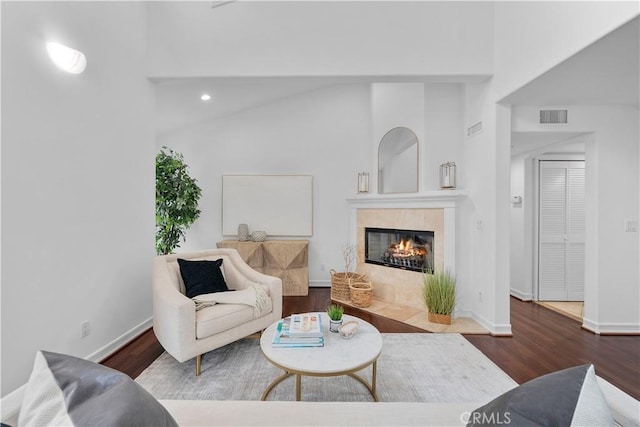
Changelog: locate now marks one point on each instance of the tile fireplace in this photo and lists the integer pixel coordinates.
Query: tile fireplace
(402, 287)
(405, 249)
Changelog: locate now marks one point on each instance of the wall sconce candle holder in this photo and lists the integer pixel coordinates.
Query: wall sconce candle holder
(448, 175)
(363, 182)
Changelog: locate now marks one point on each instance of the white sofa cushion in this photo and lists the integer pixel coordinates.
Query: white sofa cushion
(251, 413)
(221, 317)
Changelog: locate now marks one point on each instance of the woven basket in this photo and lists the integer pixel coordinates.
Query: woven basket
(361, 293)
(340, 284)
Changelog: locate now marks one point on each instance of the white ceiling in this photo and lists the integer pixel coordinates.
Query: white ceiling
(178, 103)
(605, 73)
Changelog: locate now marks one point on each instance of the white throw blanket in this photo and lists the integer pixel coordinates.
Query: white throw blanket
(254, 296)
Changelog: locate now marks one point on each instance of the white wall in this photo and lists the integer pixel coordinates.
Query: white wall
(611, 279)
(522, 214)
(529, 39)
(397, 105)
(444, 134)
(532, 37)
(77, 182)
(482, 215)
(435, 113)
(325, 133)
(320, 38)
(518, 276)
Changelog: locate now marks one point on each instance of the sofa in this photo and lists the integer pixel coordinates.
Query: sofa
(187, 333)
(65, 390)
(624, 409)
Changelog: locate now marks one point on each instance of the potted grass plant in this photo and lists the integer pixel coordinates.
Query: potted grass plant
(335, 312)
(439, 292)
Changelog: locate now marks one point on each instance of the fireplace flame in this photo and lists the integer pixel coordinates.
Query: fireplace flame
(405, 246)
(406, 249)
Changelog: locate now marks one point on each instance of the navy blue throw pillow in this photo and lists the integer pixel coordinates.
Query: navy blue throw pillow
(202, 277)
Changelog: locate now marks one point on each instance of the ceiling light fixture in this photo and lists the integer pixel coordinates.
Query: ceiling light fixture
(205, 97)
(68, 59)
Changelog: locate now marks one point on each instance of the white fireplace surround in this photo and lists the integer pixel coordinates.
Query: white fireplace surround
(446, 200)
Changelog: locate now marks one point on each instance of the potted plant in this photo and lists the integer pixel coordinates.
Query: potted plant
(335, 312)
(439, 292)
(177, 197)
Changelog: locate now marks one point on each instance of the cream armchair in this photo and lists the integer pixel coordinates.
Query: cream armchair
(186, 333)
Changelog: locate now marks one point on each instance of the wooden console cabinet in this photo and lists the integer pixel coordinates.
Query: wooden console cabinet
(286, 259)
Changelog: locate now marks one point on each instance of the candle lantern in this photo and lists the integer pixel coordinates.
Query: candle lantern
(448, 175)
(363, 182)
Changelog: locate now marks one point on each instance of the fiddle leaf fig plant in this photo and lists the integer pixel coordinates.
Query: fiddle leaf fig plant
(177, 197)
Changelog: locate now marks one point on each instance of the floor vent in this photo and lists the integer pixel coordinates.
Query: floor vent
(553, 116)
(477, 128)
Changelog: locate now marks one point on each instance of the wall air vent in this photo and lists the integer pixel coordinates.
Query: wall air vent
(472, 130)
(553, 116)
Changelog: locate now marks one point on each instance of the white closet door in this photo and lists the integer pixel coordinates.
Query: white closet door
(575, 232)
(561, 231)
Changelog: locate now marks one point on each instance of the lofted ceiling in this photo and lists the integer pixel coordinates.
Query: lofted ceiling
(605, 73)
(178, 103)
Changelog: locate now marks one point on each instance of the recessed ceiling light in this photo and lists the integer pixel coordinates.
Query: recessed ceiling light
(205, 97)
(68, 59)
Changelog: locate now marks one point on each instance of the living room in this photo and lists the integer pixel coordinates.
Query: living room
(78, 173)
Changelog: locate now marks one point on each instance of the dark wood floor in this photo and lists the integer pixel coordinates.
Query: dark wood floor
(543, 341)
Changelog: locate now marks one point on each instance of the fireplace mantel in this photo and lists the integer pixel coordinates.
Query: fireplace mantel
(447, 200)
(424, 200)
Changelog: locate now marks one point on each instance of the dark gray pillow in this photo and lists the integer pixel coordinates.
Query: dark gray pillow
(202, 277)
(570, 397)
(66, 390)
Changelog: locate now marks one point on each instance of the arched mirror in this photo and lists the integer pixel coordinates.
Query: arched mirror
(398, 162)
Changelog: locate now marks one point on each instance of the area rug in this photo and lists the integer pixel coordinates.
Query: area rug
(412, 368)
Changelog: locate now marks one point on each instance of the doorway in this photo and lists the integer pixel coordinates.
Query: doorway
(561, 230)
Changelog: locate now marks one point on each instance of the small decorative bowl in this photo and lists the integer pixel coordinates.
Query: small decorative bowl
(258, 236)
(349, 329)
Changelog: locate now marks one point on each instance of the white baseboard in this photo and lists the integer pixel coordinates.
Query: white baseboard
(320, 283)
(494, 329)
(106, 351)
(611, 328)
(524, 296)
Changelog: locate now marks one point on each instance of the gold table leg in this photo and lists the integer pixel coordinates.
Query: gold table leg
(370, 386)
(373, 379)
(275, 383)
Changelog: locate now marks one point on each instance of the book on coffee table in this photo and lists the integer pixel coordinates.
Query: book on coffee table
(282, 338)
(304, 325)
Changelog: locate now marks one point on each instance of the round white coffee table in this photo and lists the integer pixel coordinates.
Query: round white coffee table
(339, 356)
